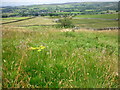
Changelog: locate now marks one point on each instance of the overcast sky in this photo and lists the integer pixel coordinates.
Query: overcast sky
(30, 2)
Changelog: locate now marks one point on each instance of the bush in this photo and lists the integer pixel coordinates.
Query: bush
(66, 23)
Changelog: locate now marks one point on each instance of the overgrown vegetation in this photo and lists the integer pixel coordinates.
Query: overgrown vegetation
(70, 59)
(66, 22)
(36, 54)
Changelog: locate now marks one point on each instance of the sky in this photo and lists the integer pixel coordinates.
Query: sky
(30, 2)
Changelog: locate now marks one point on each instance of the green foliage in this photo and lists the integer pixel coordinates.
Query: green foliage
(66, 22)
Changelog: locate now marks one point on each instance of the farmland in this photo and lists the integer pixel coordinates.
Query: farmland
(75, 8)
(95, 21)
(102, 16)
(3, 20)
(80, 59)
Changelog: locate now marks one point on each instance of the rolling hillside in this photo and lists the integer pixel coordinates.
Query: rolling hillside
(58, 9)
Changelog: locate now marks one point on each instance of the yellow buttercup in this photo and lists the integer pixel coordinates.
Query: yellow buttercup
(38, 48)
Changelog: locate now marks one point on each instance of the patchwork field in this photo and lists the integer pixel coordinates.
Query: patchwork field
(82, 21)
(95, 23)
(36, 54)
(4, 20)
(104, 16)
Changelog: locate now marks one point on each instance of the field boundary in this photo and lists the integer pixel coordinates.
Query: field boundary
(95, 18)
(107, 28)
(18, 20)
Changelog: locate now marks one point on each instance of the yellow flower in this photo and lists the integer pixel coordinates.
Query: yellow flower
(37, 48)
(42, 47)
(32, 48)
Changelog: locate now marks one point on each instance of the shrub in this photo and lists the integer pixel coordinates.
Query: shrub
(66, 23)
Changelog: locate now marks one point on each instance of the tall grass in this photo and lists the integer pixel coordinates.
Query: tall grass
(0, 58)
(70, 59)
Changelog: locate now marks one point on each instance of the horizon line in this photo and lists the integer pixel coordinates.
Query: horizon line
(29, 3)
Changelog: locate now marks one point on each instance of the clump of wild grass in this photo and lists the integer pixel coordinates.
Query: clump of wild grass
(70, 60)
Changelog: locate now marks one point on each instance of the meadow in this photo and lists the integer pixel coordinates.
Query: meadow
(3, 20)
(104, 16)
(80, 59)
(94, 23)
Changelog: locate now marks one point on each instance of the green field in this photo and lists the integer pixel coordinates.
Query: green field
(89, 10)
(81, 59)
(67, 13)
(34, 21)
(10, 19)
(104, 16)
(77, 21)
(14, 18)
(94, 23)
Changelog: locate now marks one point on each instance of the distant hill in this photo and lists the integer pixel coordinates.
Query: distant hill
(58, 9)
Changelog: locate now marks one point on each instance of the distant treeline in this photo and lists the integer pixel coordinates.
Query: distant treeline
(61, 9)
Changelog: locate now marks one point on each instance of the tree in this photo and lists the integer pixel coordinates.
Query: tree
(66, 22)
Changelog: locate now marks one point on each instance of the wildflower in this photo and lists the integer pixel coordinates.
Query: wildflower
(42, 47)
(32, 48)
(37, 48)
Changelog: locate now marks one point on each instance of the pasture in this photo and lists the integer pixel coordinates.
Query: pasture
(3, 20)
(96, 21)
(105, 16)
(80, 59)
